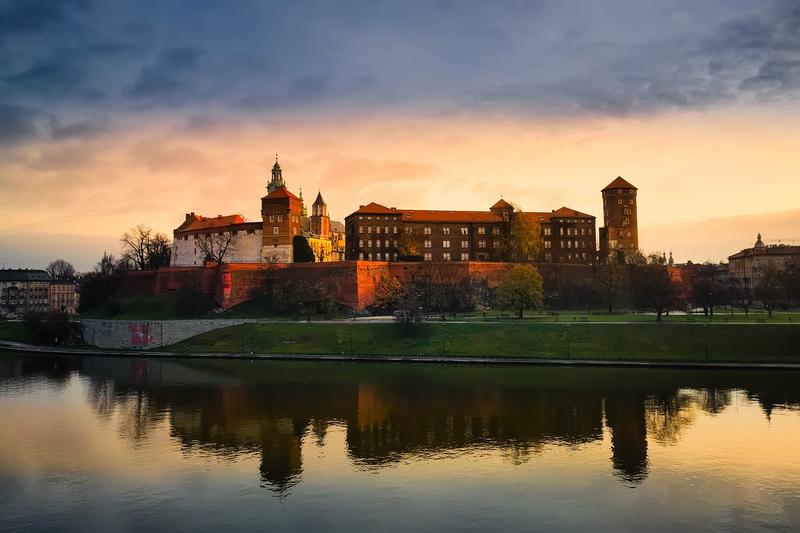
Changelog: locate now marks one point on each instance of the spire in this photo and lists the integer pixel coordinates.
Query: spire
(304, 211)
(671, 261)
(759, 242)
(319, 200)
(277, 177)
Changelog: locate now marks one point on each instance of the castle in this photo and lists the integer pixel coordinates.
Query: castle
(284, 225)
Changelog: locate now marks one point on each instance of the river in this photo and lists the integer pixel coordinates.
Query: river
(124, 444)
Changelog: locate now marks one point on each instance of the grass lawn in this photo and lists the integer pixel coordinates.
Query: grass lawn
(646, 341)
(755, 317)
(154, 307)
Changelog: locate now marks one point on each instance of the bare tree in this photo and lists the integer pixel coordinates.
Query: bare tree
(144, 248)
(217, 245)
(61, 269)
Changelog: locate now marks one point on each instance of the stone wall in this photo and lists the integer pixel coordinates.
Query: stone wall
(246, 248)
(145, 334)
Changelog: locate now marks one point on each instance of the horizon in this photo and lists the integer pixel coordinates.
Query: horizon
(135, 113)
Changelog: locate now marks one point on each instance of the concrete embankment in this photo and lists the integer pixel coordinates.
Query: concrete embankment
(146, 334)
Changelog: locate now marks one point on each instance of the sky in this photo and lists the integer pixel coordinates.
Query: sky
(117, 113)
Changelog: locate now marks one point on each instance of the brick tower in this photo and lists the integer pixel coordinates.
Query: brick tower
(280, 211)
(620, 230)
(320, 221)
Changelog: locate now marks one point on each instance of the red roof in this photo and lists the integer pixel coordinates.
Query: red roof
(619, 183)
(502, 204)
(372, 209)
(281, 192)
(568, 212)
(198, 222)
(422, 215)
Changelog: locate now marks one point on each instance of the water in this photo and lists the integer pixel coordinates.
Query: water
(104, 444)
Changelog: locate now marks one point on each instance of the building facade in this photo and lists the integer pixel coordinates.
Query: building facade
(64, 296)
(24, 291)
(620, 229)
(746, 267)
(283, 217)
(378, 233)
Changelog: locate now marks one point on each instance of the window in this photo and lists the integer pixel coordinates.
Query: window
(465, 244)
(631, 202)
(386, 229)
(464, 257)
(361, 229)
(360, 217)
(427, 244)
(386, 243)
(547, 244)
(426, 230)
(446, 231)
(378, 256)
(280, 218)
(409, 230)
(369, 229)
(445, 244)
(428, 257)
(583, 231)
(547, 231)
(360, 254)
(369, 256)
(576, 244)
(272, 218)
(377, 229)
(495, 244)
(619, 201)
(495, 231)
(481, 244)
(562, 244)
(446, 256)
(481, 230)
(464, 231)
(275, 230)
(561, 231)
(569, 244)
(395, 244)
(394, 230)
(590, 231)
(360, 243)
(369, 244)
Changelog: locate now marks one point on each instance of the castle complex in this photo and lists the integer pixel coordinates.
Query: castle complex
(378, 233)
(284, 220)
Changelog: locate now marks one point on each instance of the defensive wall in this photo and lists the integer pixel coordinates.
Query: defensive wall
(144, 334)
(355, 281)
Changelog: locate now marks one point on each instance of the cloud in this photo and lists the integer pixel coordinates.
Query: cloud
(18, 123)
(163, 81)
(27, 16)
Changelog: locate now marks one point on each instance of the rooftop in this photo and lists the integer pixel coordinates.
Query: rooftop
(23, 274)
(619, 183)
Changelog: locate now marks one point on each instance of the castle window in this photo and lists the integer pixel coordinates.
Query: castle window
(465, 257)
(409, 230)
(619, 201)
(369, 244)
(386, 243)
(464, 231)
(583, 231)
(561, 231)
(445, 244)
(428, 257)
(369, 256)
(631, 202)
(446, 231)
(377, 229)
(360, 217)
(569, 244)
(386, 229)
(369, 229)
(495, 231)
(280, 218)
(481, 244)
(272, 218)
(426, 230)
(547, 231)
(562, 244)
(360, 243)
(378, 256)
(481, 230)
(590, 231)
(446, 256)
(547, 244)
(361, 254)
(495, 244)
(394, 230)
(427, 244)
(275, 230)
(465, 244)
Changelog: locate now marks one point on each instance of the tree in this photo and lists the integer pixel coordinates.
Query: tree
(769, 289)
(520, 236)
(389, 292)
(790, 281)
(145, 249)
(217, 245)
(522, 289)
(706, 290)
(608, 281)
(409, 246)
(102, 283)
(302, 250)
(654, 289)
(61, 269)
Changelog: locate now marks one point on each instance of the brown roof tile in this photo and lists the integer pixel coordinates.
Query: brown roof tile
(619, 183)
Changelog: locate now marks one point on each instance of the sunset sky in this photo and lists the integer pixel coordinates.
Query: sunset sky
(118, 113)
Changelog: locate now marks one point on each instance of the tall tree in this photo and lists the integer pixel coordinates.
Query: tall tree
(217, 245)
(144, 248)
(521, 290)
(520, 236)
(769, 289)
(654, 289)
(60, 269)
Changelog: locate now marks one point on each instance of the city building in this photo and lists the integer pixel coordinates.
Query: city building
(232, 239)
(746, 267)
(64, 296)
(620, 228)
(24, 291)
(378, 233)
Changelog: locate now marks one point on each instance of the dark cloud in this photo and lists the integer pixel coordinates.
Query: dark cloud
(164, 80)
(27, 16)
(53, 77)
(76, 130)
(18, 123)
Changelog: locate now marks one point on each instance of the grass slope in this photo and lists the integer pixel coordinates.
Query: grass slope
(651, 342)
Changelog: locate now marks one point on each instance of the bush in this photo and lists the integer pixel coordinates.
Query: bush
(51, 328)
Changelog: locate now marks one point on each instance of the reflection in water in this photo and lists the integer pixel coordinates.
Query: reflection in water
(395, 413)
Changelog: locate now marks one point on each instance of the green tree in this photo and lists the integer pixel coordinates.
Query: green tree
(389, 292)
(520, 236)
(654, 289)
(408, 246)
(521, 290)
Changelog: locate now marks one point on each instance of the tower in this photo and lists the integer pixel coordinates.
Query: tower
(620, 230)
(277, 177)
(280, 212)
(320, 221)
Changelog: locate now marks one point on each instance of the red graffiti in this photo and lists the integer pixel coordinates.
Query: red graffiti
(140, 334)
